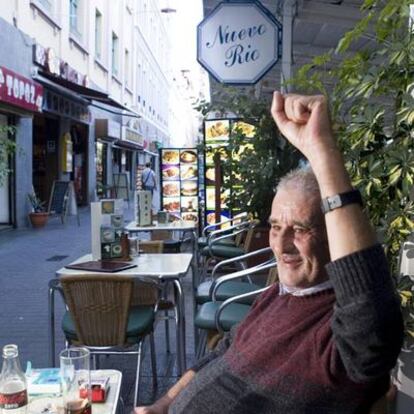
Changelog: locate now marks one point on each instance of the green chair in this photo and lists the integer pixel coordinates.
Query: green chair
(232, 288)
(217, 316)
(225, 225)
(217, 250)
(100, 318)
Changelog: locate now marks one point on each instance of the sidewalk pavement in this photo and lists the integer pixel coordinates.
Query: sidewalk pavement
(29, 258)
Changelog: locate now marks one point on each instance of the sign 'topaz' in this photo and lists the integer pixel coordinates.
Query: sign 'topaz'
(239, 42)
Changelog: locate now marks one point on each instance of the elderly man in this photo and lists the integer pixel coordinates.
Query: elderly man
(323, 339)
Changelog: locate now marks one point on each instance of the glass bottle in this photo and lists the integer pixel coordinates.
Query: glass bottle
(13, 386)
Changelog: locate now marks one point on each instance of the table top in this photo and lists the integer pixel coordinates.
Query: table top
(39, 403)
(153, 265)
(176, 225)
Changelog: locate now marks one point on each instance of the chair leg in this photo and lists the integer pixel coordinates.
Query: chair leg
(153, 360)
(139, 360)
(167, 332)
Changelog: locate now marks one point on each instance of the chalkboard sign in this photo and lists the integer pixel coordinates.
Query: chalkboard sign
(58, 197)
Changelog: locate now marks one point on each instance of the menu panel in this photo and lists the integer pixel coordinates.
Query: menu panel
(217, 134)
(179, 182)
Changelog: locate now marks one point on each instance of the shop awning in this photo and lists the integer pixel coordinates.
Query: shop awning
(87, 95)
(128, 145)
(153, 154)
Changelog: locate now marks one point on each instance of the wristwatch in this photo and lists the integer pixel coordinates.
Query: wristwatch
(340, 200)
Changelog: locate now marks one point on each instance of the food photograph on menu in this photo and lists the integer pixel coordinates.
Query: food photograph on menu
(189, 188)
(170, 172)
(171, 189)
(189, 204)
(170, 156)
(188, 157)
(190, 217)
(210, 175)
(217, 130)
(179, 181)
(246, 129)
(171, 204)
(188, 172)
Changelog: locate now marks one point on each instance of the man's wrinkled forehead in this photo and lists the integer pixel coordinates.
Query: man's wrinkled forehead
(292, 205)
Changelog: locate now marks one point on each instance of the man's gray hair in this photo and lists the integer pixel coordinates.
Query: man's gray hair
(302, 178)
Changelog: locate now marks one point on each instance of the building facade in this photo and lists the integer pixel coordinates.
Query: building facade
(101, 71)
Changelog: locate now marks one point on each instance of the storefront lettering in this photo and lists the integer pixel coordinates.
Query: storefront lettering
(238, 53)
(20, 91)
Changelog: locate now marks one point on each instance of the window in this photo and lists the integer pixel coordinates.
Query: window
(127, 69)
(98, 34)
(115, 54)
(74, 16)
(47, 4)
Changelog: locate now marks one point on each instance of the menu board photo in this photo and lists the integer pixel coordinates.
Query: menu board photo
(179, 182)
(217, 134)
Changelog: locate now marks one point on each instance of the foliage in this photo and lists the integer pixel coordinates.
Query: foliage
(38, 206)
(7, 148)
(253, 169)
(372, 104)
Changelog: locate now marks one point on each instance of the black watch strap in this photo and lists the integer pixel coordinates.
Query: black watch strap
(340, 200)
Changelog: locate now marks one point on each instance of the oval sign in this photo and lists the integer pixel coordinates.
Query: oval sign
(238, 43)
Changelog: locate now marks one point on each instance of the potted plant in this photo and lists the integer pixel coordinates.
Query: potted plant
(38, 216)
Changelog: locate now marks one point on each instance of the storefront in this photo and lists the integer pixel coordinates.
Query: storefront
(20, 98)
(106, 132)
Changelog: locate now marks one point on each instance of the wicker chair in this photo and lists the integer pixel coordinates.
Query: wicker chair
(151, 246)
(144, 293)
(100, 318)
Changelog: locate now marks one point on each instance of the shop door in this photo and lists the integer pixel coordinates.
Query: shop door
(5, 187)
(79, 175)
(45, 155)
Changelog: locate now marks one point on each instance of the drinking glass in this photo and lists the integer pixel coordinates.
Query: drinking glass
(133, 246)
(75, 377)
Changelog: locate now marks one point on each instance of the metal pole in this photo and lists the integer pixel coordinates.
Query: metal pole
(288, 15)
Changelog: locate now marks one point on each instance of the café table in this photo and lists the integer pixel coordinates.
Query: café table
(45, 404)
(167, 267)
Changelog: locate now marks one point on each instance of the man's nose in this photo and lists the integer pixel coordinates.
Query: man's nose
(285, 242)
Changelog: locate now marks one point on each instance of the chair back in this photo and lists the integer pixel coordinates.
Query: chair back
(249, 235)
(99, 306)
(160, 235)
(151, 246)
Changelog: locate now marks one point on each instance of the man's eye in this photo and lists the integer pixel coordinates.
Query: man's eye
(275, 227)
(299, 230)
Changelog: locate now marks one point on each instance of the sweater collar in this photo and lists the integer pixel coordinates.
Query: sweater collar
(285, 290)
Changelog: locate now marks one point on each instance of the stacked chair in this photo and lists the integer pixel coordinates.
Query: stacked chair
(229, 299)
(228, 243)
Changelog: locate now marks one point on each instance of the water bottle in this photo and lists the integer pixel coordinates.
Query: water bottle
(13, 385)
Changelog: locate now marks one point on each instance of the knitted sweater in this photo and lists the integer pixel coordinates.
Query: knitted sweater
(329, 352)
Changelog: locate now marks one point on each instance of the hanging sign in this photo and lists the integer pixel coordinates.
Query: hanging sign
(20, 91)
(239, 42)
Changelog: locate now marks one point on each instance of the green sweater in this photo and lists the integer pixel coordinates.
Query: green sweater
(329, 352)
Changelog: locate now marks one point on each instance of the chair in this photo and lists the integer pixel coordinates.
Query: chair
(170, 245)
(217, 250)
(216, 316)
(145, 293)
(151, 246)
(100, 317)
(231, 288)
(231, 222)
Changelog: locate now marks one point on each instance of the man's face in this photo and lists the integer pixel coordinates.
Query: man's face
(298, 238)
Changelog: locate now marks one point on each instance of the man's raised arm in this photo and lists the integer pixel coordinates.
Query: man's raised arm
(305, 122)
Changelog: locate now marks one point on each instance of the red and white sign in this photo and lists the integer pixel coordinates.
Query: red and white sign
(20, 91)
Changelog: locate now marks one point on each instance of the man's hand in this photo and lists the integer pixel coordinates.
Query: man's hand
(304, 121)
